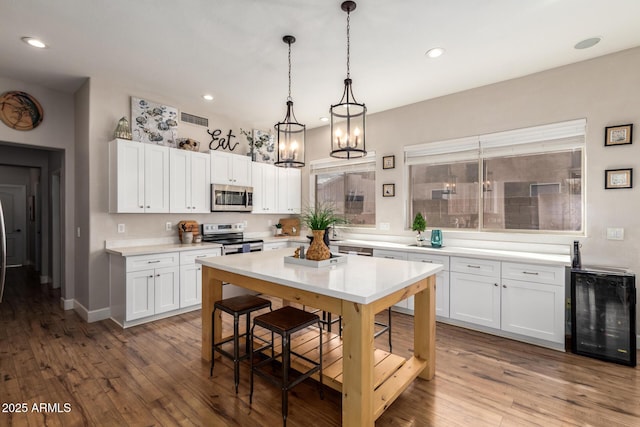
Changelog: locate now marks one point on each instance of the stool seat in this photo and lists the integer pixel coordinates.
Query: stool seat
(286, 320)
(242, 304)
(235, 306)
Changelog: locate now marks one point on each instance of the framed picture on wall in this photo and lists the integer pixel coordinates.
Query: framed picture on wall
(618, 135)
(618, 178)
(388, 190)
(388, 162)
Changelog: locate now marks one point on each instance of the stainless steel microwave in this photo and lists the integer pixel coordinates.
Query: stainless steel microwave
(231, 198)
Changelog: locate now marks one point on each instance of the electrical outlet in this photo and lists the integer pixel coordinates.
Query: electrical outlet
(385, 226)
(168, 226)
(246, 224)
(121, 228)
(269, 222)
(615, 233)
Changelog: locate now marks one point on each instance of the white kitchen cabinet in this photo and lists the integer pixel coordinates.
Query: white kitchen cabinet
(189, 188)
(191, 276)
(270, 246)
(382, 253)
(533, 301)
(289, 187)
(231, 169)
(442, 281)
(151, 285)
(138, 177)
(475, 299)
(264, 184)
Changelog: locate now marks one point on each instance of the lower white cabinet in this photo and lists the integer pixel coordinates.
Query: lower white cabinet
(475, 299)
(442, 281)
(152, 291)
(382, 253)
(191, 276)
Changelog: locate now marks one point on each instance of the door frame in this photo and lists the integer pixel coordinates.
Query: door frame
(23, 233)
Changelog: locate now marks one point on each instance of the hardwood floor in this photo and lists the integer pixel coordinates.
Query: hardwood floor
(153, 375)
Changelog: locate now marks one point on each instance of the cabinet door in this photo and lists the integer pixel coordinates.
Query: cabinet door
(241, 169)
(140, 294)
(533, 309)
(156, 178)
(289, 189)
(220, 168)
(475, 299)
(190, 285)
(381, 253)
(442, 294)
(167, 289)
(180, 181)
(126, 192)
(200, 189)
(264, 188)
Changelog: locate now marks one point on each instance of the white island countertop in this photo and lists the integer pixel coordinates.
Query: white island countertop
(360, 280)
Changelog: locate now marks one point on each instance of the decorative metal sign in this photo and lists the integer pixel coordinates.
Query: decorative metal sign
(224, 143)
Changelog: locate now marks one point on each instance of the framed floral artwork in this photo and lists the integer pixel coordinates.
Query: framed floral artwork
(263, 147)
(153, 123)
(618, 135)
(618, 178)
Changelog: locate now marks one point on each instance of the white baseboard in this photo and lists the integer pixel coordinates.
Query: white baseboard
(91, 316)
(45, 279)
(66, 304)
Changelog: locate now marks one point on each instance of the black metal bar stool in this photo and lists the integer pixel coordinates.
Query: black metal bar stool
(385, 327)
(284, 322)
(236, 306)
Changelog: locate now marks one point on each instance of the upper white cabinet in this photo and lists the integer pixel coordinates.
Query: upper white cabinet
(139, 177)
(289, 190)
(265, 185)
(232, 169)
(189, 189)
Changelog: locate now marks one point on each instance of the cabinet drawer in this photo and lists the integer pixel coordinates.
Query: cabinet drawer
(276, 245)
(381, 253)
(189, 257)
(533, 273)
(435, 259)
(143, 262)
(480, 267)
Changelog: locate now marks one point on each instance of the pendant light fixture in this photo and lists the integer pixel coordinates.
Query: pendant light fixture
(348, 116)
(291, 134)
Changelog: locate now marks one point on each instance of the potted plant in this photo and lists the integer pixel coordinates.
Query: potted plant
(419, 225)
(278, 227)
(318, 220)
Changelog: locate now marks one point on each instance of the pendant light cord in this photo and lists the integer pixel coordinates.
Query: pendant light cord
(348, 44)
(289, 97)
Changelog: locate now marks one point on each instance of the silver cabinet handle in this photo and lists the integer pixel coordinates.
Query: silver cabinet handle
(426, 260)
(473, 266)
(534, 273)
(148, 207)
(141, 206)
(495, 284)
(153, 262)
(157, 275)
(504, 286)
(151, 276)
(201, 256)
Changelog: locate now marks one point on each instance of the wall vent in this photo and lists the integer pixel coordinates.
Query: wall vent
(190, 118)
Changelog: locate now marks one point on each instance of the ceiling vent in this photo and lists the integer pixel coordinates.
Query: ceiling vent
(195, 120)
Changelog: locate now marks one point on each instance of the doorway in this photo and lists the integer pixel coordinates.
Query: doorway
(56, 226)
(14, 203)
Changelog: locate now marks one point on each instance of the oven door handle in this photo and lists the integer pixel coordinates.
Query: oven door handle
(246, 198)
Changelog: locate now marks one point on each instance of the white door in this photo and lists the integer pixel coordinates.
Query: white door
(140, 294)
(475, 299)
(156, 178)
(190, 285)
(220, 168)
(129, 176)
(14, 201)
(180, 181)
(241, 169)
(167, 292)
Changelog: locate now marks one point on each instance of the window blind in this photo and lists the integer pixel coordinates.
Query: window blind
(362, 164)
(448, 151)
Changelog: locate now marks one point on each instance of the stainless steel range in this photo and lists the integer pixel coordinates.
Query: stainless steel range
(231, 237)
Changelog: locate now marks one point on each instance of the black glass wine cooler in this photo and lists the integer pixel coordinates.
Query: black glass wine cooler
(603, 315)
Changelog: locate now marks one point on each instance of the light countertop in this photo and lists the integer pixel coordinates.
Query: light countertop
(161, 248)
(360, 279)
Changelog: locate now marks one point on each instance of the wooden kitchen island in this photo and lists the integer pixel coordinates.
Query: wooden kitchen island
(356, 290)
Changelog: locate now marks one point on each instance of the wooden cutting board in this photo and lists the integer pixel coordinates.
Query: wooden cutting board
(288, 225)
(191, 226)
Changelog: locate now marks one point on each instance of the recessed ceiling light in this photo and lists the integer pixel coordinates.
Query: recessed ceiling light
(34, 42)
(435, 52)
(208, 97)
(587, 43)
(324, 119)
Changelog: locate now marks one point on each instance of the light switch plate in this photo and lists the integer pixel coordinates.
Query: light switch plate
(615, 233)
(121, 228)
(168, 226)
(385, 226)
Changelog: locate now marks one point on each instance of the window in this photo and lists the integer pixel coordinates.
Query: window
(523, 180)
(350, 187)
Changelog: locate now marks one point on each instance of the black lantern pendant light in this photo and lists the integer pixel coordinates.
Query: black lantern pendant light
(291, 134)
(348, 116)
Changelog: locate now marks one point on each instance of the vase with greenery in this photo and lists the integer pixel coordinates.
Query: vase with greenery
(278, 227)
(318, 220)
(419, 225)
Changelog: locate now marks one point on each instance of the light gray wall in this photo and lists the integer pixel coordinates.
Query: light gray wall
(55, 132)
